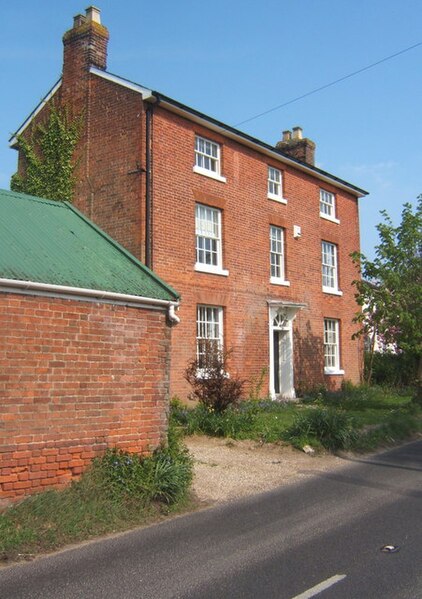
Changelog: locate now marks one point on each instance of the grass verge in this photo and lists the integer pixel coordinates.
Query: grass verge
(120, 491)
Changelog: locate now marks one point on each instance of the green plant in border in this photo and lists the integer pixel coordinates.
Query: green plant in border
(49, 163)
(333, 429)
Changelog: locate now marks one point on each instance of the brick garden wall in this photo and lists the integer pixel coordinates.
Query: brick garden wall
(76, 378)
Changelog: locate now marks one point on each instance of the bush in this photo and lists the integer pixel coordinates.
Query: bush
(396, 370)
(212, 386)
(333, 429)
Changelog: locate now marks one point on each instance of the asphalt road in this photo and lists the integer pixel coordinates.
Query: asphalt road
(319, 538)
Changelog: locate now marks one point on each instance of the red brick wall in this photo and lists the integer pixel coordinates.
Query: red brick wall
(113, 194)
(75, 378)
(247, 215)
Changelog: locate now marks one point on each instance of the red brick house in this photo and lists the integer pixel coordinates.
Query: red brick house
(255, 237)
(85, 346)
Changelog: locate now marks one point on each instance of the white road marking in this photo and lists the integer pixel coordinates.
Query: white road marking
(322, 586)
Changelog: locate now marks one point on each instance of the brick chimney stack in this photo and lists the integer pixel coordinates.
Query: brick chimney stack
(85, 45)
(295, 145)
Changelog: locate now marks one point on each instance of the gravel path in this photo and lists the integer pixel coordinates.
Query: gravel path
(226, 470)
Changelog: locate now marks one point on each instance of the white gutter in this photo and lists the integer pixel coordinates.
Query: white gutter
(63, 291)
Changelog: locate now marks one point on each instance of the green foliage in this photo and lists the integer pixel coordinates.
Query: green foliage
(256, 384)
(259, 420)
(119, 491)
(211, 384)
(48, 158)
(331, 428)
(392, 369)
(235, 422)
(164, 476)
(391, 285)
(398, 426)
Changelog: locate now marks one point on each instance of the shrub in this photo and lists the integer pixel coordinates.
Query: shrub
(212, 386)
(397, 370)
(164, 476)
(333, 429)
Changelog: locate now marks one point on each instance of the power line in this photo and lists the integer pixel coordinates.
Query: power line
(318, 89)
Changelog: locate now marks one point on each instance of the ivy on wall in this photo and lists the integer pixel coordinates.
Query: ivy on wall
(49, 163)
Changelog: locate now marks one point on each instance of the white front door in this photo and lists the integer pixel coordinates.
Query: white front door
(281, 353)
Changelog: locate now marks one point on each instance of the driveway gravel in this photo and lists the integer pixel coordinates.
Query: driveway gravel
(226, 470)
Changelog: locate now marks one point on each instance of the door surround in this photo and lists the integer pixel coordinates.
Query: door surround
(281, 316)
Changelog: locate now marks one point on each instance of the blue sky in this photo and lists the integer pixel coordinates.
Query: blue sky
(233, 59)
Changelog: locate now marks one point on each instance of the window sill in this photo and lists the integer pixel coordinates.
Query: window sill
(331, 291)
(330, 218)
(211, 270)
(275, 281)
(279, 199)
(333, 371)
(207, 173)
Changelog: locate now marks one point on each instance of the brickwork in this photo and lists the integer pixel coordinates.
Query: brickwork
(76, 377)
(111, 190)
(247, 214)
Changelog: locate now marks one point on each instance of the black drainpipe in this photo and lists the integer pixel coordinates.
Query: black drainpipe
(148, 187)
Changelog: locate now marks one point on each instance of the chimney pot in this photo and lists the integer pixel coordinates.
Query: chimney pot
(93, 14)
(78, 20)
(287, 135)
(297, 133)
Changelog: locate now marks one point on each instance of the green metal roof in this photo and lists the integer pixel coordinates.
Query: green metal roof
(51, 242)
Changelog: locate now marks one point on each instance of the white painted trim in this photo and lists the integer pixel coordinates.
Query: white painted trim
(330, 218)
(203, 171)
(210, 269)
(14, 140)
(81, 293)
(146, 93)
(291, 309)
(276, 281)
(332, 291)
(279, 199)
(332, 371)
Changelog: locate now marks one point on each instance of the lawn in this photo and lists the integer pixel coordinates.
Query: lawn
(362, 418)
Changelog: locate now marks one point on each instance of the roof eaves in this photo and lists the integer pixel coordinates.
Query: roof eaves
(127, 254)
(152, 96)
(252, 141)
(14, 139)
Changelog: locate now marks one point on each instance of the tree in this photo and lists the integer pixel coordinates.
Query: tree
(390, 290)
(49, 164)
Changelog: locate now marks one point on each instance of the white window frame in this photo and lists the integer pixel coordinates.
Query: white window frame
(277, 257)
(329, 267)
(208, 158)
(209, 326)
(332, 346)
(327, 205)
(208, 240)
(275, 185)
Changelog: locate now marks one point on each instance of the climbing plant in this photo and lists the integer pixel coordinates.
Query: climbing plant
(49, 163)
